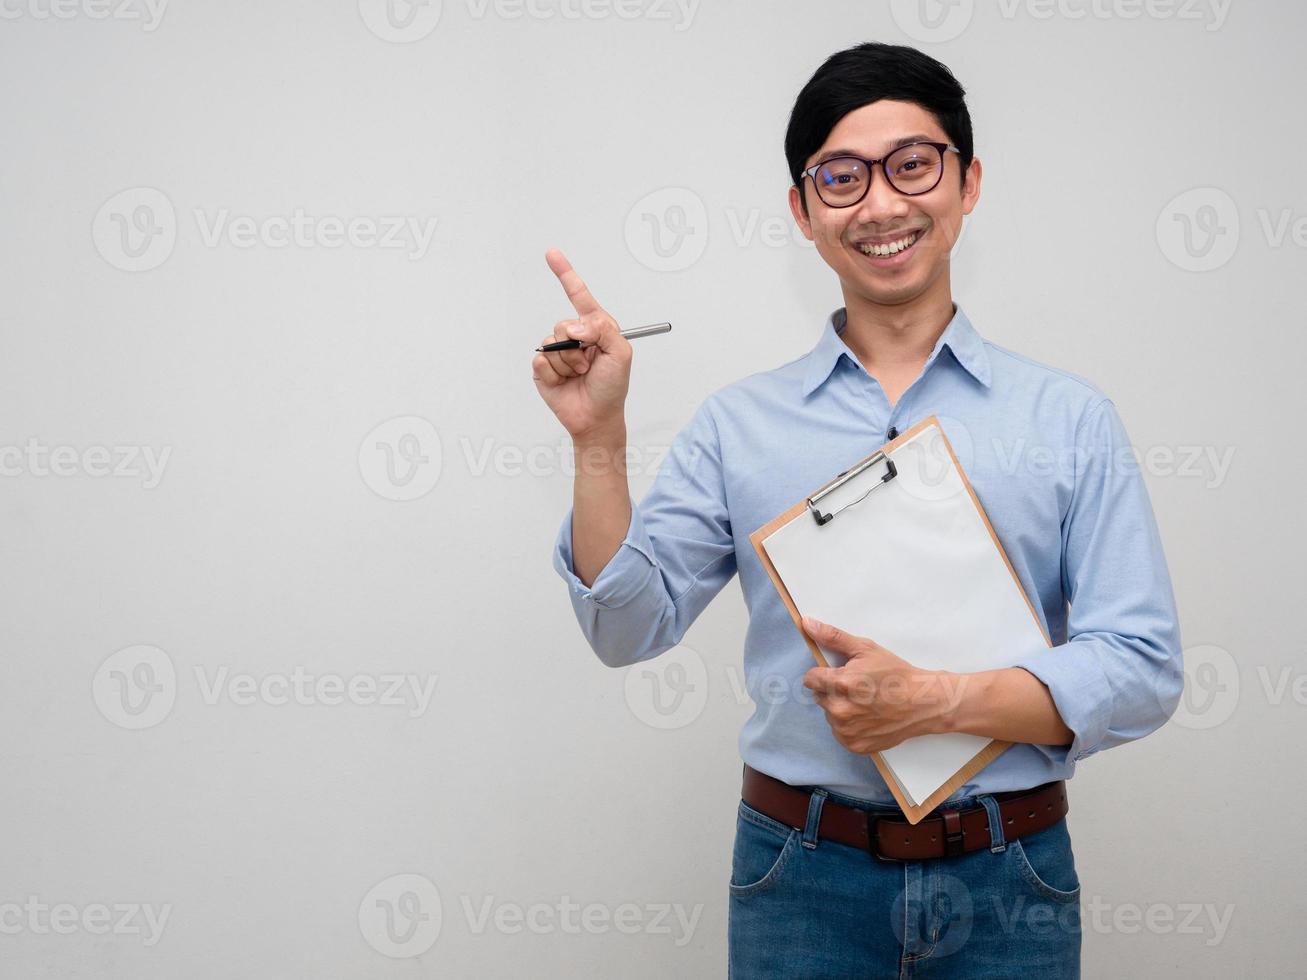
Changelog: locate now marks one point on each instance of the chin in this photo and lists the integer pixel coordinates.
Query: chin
(887, 294)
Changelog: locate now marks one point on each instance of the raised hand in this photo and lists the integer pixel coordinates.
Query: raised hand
(586, 389)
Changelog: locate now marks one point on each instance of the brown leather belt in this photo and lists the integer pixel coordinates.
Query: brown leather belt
(946, 833)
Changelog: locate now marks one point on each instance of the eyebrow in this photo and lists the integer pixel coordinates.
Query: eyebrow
(901, 141)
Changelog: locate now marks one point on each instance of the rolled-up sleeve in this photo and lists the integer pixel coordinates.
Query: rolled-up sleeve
(1120, 674)
(677, 555)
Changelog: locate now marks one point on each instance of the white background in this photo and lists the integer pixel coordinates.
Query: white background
(275, 539)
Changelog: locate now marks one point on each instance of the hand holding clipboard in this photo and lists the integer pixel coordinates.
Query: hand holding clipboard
(899, 548)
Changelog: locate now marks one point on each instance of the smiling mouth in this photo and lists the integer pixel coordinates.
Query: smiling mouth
(891, 250)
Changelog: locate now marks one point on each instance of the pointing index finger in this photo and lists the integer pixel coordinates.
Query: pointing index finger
(582, 301)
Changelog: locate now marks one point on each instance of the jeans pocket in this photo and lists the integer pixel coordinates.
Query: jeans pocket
(1047, 864)
(763, 848)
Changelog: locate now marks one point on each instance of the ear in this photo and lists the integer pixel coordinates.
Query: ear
(971, 186)
(796, 209)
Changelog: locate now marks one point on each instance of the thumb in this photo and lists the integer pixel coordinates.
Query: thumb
(833, 637)
(600, 330)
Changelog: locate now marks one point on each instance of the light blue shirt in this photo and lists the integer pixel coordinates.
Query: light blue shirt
(1047, 456)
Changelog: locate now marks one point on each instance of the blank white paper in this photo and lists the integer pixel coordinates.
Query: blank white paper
(913, 567)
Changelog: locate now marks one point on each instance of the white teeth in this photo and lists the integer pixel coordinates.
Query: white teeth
(890, 249)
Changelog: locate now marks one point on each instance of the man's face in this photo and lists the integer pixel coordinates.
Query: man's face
(884, 215)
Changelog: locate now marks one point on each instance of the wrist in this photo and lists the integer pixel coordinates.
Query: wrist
(609, 436)
(968, 695)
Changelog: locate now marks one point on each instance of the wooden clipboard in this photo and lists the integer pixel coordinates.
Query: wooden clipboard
(806, 509)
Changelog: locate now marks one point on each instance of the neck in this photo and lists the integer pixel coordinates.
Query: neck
(895, 339)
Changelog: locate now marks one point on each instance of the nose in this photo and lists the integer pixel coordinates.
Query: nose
(882, 202)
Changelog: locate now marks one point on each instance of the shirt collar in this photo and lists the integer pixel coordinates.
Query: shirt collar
(960, 337)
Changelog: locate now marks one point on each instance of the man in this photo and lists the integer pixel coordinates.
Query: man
(825, 881)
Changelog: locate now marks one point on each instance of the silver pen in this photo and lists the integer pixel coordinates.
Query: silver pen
(630, 334)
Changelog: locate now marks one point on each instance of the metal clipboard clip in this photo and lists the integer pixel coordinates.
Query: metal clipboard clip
(891, 471)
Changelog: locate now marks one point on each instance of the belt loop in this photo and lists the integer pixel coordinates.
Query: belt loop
(997, 842)
(815, 802)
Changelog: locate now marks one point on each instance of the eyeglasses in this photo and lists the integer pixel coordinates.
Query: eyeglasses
(916, 168)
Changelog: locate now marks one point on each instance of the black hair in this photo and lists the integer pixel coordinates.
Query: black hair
(866, 73)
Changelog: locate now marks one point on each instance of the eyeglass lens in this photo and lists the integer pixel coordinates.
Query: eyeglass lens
(913, 169)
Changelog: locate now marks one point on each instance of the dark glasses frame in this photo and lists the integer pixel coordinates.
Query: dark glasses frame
(942, 148)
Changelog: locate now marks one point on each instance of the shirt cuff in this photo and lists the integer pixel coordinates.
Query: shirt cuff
(1081, 693)
(626, 574)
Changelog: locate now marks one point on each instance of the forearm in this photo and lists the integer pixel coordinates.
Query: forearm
(1010, 704)
(601, 501)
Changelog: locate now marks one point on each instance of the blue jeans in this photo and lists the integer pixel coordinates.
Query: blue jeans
(802, 907)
